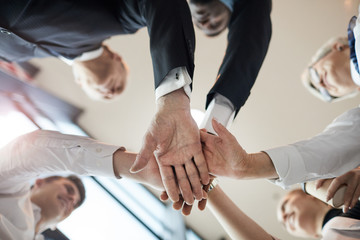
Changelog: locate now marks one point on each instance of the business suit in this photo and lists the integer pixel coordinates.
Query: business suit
(40, 28)
(248, 41)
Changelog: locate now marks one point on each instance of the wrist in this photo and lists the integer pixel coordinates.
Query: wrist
(176, 99)
(261, 166)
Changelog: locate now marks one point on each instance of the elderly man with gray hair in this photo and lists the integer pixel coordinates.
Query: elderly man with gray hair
(333, 72)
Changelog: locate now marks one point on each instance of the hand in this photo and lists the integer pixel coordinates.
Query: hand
(223, 153)
(173, 137)
(150, 175)
(186, 209)
(352, 180)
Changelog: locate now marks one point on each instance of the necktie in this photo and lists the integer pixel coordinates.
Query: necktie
(351, 40)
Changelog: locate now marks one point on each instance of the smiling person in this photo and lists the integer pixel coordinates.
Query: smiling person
(27, 211)
(301, 214)
(249, 25)
(333, 73)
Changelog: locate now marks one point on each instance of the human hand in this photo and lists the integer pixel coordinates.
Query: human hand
(181, 204)
(173, 137)
(223, 154)
(350, 179)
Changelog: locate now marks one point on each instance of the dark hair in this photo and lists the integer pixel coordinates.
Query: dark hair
(78, 183)
(201, 1)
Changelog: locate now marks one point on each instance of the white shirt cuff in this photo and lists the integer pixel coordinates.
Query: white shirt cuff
(222, 110)
(174, 80)
(86, 56)
(288, 164)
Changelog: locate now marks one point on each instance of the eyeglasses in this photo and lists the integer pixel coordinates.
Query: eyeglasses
(323, 91)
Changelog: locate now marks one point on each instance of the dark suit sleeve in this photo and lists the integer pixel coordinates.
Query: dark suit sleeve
(172, 39)
(248, 41)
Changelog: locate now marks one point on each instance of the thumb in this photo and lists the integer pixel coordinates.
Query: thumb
(319, 183)
(144, 155)
(220, 129)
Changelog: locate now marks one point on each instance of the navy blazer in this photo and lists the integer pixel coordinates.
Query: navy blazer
(248, 40)
(39, 28)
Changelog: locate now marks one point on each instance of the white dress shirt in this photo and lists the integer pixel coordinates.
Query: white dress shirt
(341, 228)
(332, 153)
(37, 153)
(354, 74)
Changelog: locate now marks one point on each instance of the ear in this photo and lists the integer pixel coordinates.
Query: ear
(39, 182)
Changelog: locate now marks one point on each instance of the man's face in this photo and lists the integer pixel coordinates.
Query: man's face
(334, 72)
(57, 199)
(212, 18)
(102, 78)
(297, 212)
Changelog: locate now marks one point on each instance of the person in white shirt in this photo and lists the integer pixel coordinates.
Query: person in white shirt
(302, 215)
(25, 212)
(331, 153)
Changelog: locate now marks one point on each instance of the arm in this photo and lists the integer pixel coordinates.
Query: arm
(299, 162)
(351, 180)
(236, 223)
(331, 153)
(225, 157)
(248, 41)
(45, 152)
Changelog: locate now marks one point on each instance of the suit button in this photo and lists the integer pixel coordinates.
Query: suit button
(5, 31)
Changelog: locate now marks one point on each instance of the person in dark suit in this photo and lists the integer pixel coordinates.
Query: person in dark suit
(249, 25)
(75, 30)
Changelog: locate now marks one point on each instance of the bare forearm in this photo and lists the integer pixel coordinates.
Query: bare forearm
(122, 162)
(259, 165)
(236, 223)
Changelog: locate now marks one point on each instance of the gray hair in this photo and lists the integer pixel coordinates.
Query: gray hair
(324, 50)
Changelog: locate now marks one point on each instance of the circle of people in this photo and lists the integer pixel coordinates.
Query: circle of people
(176, 156)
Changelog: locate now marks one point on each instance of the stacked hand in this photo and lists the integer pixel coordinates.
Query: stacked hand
(173, 137)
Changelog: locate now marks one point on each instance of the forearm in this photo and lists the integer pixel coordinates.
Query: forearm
(174, 101)
(259, 165)
(329, 154)
(122, 162)
(235, 222)
(42, 152)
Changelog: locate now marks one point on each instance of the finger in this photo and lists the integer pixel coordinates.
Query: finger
(164, 196)
(168, 179)
(178, 205)
(319, 183)
(193, 176)
(333, 187)
(144, 155)
(184, 184)
(221, 131)
(203, 130)
(356, 195)
(204, 136)
(186, 209)
(202, 204)
(348, 196)
(202, 167)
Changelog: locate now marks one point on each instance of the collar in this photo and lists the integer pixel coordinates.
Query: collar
(86, 56)
(354, 74)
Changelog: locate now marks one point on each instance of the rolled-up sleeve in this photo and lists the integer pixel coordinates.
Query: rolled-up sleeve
(330, 154)
(42, 152)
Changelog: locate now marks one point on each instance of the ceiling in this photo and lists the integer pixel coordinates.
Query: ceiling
(279, 110)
